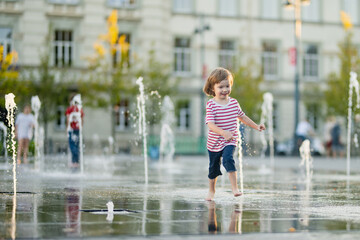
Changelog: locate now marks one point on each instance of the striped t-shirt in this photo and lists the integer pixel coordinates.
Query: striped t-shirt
(226, 118)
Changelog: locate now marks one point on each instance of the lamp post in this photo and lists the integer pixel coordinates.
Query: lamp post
(296, 5)
(200, 30)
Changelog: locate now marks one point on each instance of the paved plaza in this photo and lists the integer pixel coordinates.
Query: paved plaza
(278, 204)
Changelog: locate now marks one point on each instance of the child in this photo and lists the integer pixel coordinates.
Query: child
(24, 125)
(222, 114)
(73, 113)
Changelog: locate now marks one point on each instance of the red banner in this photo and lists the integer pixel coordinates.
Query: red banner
(292, 56)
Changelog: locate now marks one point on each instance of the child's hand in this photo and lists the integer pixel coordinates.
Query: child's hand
(227, 135)
(261, 127)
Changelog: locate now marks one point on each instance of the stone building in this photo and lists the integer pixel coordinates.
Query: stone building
(227, 31)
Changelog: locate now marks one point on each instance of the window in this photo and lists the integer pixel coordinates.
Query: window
(313, 114)
(227, 8)
(275, 114)
(122, 115)
(183, 115)
(122, 3)
(182, 55)
(60, 118)
(351, 7)
(122, 54)
(70, 2)
(227, 54)
(182, 6)
(310, 62)
(270, 9)
(5, 41)
(63, 46)
(270, 60)
(311, 13)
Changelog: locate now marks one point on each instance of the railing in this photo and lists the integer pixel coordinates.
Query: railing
(183, 145)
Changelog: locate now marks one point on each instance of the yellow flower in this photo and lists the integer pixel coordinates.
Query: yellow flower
(15, 57)
(113, 30)
(112, 19)
(8, 59)
(113, 34)
(346, 20)
(11, 58)
(99, 49)
(124, 46)
(1, 52)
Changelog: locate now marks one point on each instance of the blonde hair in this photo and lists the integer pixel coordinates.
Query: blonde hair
(216, 76)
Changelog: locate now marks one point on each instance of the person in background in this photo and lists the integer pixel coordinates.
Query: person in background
(73, 114)
(24, 125)
(304, 130)
(330, 122)
(336, 144)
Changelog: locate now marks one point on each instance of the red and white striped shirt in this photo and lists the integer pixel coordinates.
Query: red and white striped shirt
(225, 117)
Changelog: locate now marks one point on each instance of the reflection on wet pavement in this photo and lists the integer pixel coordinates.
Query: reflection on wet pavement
(56, 203)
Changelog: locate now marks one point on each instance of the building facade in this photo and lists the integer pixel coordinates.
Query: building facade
(194, 36)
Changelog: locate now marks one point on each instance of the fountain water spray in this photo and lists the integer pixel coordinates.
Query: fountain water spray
(167, 141)
(111, 144)
(10, 107)
(306, 158)
(267, 115)
(77, 115)
(356, 142)
(110, 212)
(142, 122)
(353, 84)
(35, 106)
(240, 157)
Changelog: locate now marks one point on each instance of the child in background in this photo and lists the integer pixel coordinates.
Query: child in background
(24, 125)
(73, 113)
(222, 115)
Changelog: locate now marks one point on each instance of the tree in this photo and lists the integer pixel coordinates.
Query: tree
(112, 81)
(247, 90)
(157, 85)
(10, 79)
(336, 95)
(51, 92)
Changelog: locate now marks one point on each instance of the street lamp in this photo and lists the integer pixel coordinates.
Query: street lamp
(200, 30)
(296, 5)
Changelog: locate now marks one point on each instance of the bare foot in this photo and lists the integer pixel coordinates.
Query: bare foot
(237, 193)
(210, 196)
(18, 161)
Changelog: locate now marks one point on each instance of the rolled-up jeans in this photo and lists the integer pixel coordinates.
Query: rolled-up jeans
(74, 143)
(227, 159)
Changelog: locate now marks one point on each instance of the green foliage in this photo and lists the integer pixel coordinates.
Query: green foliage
(51, 93)
(10, 82)
(246, 89)
(110, 82)
(336, 95)
(21, 88)
(157, 85)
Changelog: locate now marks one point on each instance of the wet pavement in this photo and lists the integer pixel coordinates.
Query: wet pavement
(277, 204)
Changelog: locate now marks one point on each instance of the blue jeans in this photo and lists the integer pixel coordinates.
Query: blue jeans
(74, 143)
(227, 160)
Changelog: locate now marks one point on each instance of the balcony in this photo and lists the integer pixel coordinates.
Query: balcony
(64, 8)
(11, 7)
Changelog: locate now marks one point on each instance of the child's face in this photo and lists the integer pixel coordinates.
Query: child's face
(223, 89)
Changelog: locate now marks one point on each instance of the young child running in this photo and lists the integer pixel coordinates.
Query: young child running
(222, 115)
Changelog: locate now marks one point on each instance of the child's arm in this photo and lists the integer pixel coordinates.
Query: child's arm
(226, 134)
(248, 122)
